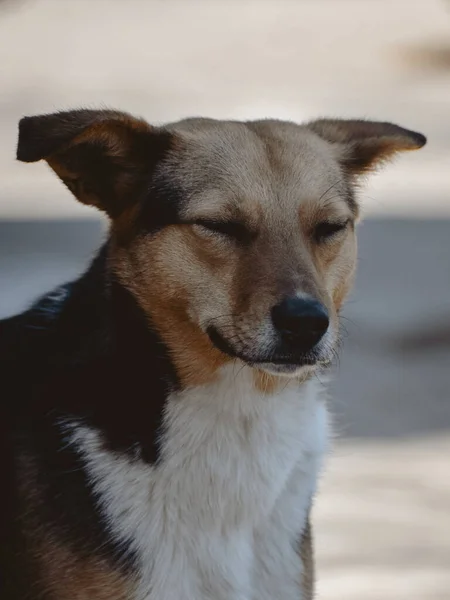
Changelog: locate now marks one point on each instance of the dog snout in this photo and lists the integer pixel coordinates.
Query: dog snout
(301, 322)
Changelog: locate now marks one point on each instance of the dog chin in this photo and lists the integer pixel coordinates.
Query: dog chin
(302, 368)
(286, 370)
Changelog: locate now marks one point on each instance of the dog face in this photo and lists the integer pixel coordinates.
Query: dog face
(237, 239)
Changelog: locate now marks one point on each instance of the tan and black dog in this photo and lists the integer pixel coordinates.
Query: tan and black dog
(162, 431)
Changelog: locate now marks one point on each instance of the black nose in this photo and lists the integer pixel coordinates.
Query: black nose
(300, 321)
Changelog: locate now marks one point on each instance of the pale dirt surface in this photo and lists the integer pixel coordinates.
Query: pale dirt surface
(382, 519)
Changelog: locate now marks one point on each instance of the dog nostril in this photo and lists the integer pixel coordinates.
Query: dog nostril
(300, 319)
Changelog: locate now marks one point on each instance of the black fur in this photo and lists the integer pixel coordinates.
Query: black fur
(85, 352)
(110, 172)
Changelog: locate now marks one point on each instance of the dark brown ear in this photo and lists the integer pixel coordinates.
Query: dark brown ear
(363, 145)
(105, 158)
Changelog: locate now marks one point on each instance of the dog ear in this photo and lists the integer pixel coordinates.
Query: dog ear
(363, 145)
(104, 157)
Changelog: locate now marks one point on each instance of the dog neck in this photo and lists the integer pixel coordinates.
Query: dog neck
(123, 370)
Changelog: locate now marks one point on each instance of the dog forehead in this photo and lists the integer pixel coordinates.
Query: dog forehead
(275, 164)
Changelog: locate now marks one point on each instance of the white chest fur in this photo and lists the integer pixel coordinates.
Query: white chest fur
(219, 516)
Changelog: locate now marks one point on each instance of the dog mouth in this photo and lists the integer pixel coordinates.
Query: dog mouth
(274, 362)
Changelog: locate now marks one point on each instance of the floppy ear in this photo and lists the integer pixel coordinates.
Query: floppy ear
(363, 145)
(105, 158)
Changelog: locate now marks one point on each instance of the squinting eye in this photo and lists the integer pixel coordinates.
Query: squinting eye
(328, 229)
(230, 229)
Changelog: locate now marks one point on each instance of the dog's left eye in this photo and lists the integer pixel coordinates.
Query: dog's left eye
(230, 229)
(328, 229)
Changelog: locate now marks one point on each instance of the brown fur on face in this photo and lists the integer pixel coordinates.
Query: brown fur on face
(199, 278)
(276, 183)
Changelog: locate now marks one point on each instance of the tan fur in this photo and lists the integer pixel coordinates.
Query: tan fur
(65, 575)
(267, 383)
(364, 145)
(277, 179)
(115, 136)
(279, 185)
(166, 303)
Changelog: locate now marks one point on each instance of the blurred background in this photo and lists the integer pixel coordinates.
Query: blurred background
(383, 516)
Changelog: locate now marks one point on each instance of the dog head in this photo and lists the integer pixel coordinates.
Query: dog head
(237, 239)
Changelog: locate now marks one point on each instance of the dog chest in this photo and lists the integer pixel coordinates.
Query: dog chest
(237, 472)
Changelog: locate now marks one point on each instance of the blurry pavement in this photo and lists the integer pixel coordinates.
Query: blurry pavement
(383, 516)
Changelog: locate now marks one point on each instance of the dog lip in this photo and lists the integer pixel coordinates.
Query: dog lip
(287, 360)
(221, 343)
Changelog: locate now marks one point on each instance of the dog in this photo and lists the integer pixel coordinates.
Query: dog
(162, 425)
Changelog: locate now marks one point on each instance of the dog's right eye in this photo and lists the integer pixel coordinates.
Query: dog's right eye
(230, 229)
(328, 230)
